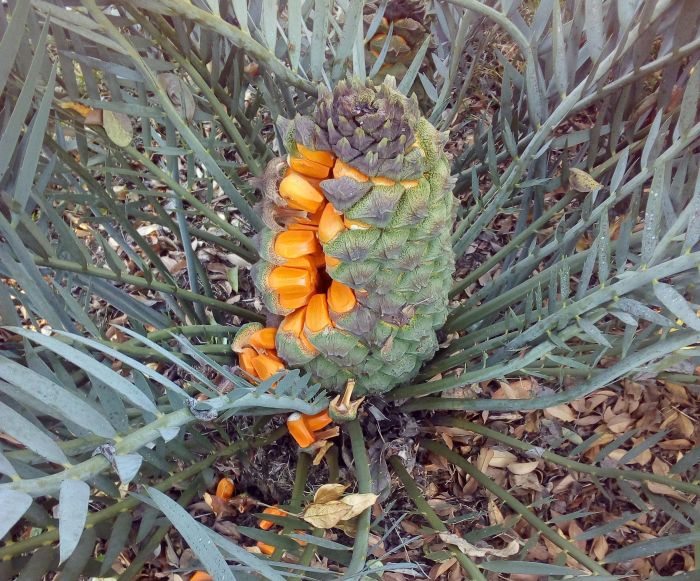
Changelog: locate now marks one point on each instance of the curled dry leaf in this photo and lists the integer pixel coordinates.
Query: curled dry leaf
(358, 503)
(472, 551)
(330, 513)
(329, 492)
(326, 515)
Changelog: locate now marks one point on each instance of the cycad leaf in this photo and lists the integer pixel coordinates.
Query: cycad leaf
(192, 532)
(22, 430)
(59, 401)
(652, 547)
(110, 378)
(13, 505)
(30, 160)
(72, 513)
(11, 40)
(674, 302)
(127, 466)
(117, 540)
(412, 72)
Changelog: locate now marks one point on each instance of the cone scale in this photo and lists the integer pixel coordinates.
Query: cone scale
(358, 261)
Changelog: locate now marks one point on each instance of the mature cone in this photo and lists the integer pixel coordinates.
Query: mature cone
(410, 26)
(356, 255)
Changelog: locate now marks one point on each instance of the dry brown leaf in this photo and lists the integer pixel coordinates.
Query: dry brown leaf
(470, 550)
(561, 412)
(358, 503)
(502, 458)
(326, 515)
(582, 181)
(685, 426)
(600, 548)
(440, 569)
(523, 467)
(495, 514)
(329, 492)
(665, 490)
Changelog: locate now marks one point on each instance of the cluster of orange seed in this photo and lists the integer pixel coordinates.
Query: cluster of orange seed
(299, 283)
(258, 358)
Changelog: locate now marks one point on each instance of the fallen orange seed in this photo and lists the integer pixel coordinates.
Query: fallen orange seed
(323, 157)
(308, 167)
(299, 431)
(296, 243)
(267, 365)
(264, 339)
(265, 549)
(341, 169)
(317, 421)
(225, 489)
(330, 224)
(317, 317)
(267, 524)
(201, 576)
(300, 194)
(341, 298)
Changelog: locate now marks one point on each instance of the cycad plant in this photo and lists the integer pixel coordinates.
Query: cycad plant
(172, 172)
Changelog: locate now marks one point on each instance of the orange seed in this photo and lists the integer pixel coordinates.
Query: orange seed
(296, 243)
(299, 431)
(317, 317)
(264, 339)
(330, 225)
(265, 549)
(341, 169)
(268, 524)
(323, 157)
(245, 361)
(341, 298)
(317, 421)
(290, 278)
(225, 489)
(308, 167)
(267, 365)
(300, 194)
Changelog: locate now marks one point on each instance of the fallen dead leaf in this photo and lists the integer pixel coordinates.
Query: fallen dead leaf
(326, 515)
(329, 492)
(582, 181)
(472, 551)
(561, 412)
(359, 503)
(521, 468)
